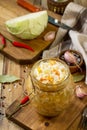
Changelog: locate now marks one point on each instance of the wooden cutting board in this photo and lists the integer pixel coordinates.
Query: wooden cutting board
(29, 119)
(11, 10)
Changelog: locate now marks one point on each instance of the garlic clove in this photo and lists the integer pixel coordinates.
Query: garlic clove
(80, 92)
(69, 57)
(49, 36)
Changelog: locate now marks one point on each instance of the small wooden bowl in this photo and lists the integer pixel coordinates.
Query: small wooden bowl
(58, 6)
(73, 67)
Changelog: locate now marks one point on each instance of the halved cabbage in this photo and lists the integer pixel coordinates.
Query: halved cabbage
(28, 26)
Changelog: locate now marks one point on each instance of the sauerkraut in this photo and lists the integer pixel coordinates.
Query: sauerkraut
(53, 86)
(50, 72)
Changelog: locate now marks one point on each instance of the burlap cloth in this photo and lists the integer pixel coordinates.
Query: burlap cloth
(74, 16)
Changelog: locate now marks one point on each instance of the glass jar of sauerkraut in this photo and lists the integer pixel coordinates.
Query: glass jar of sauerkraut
(53, 86)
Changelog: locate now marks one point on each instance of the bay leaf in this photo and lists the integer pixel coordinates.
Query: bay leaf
(8, 78)
(77, 77)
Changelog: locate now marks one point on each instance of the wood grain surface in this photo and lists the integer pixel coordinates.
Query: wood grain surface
(67, 120)
(28, 118)
(23, 56)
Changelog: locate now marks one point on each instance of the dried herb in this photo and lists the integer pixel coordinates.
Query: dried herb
(77, 77)
(8, 78)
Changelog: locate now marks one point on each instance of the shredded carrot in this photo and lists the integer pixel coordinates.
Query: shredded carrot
(56, 72)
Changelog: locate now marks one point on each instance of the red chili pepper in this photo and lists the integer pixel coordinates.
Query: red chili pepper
(15, 43)
(28, 5)
(2, 41)
(19, 44)
(24, 100)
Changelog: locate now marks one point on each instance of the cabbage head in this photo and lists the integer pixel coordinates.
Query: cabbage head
(28, 26)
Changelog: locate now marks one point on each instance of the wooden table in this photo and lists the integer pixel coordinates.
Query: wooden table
(12, 91)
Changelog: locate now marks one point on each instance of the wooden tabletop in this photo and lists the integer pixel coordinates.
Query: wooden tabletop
(18, 54)
(10, 92)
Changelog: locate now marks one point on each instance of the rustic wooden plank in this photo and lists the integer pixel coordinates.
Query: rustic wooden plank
(1, 71)
(28, 118)
(9, 67)
(10, 91)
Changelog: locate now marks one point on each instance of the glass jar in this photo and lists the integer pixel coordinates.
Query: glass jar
(53, 86)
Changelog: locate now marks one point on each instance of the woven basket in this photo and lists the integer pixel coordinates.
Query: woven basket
(58, 6)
